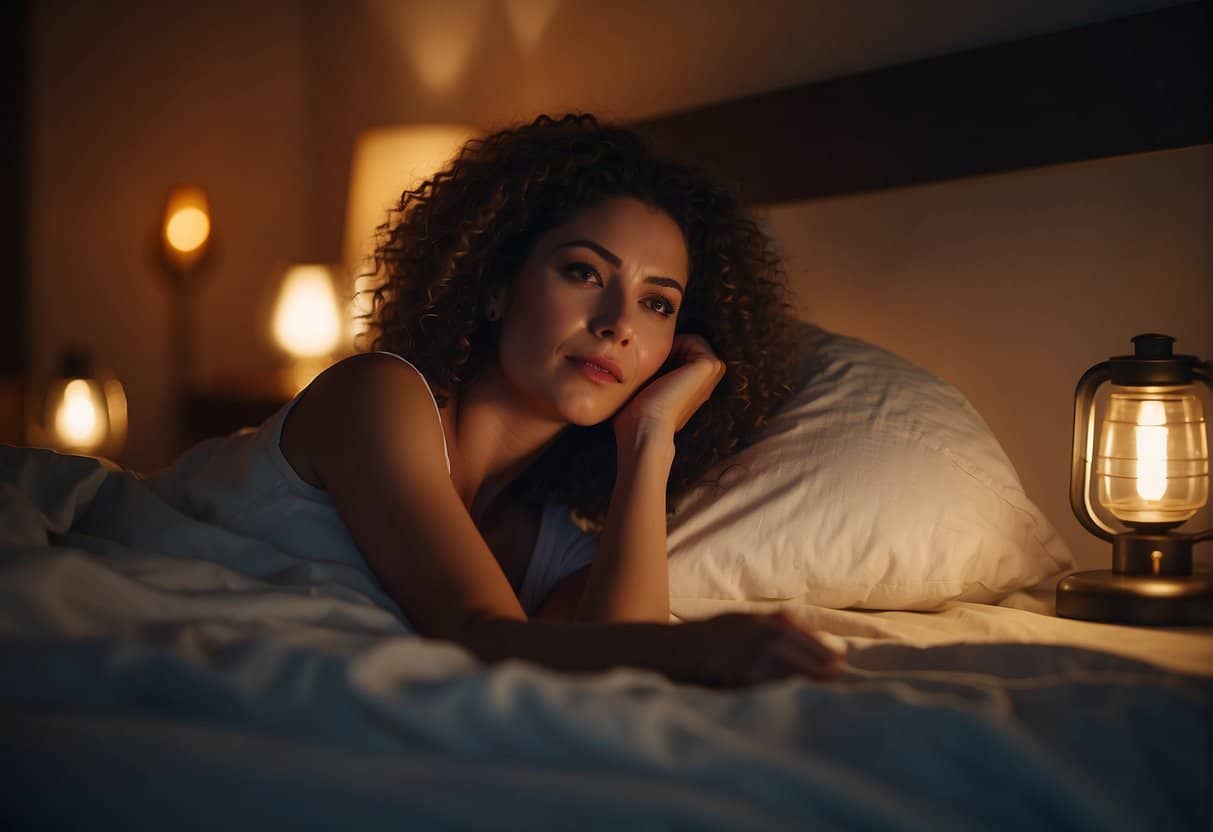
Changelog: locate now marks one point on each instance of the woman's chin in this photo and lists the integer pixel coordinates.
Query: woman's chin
(588, 417)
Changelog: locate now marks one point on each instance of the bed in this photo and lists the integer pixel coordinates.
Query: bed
(160, 671)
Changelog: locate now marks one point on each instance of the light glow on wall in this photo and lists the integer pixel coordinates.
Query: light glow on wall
(387, 162)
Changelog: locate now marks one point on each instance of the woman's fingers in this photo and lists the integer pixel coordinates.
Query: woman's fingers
(689, 346)
(805, 658)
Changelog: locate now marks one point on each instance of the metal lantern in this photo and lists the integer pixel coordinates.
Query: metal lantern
(1152, 471)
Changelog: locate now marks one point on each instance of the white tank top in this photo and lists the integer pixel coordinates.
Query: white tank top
(244, 484)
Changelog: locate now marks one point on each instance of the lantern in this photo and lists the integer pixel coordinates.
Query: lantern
(1152, 475)
(79, 412)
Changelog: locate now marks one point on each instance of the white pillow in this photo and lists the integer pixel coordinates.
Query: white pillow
(877, 486)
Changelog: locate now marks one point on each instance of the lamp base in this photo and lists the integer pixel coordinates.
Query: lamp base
(1163, 600)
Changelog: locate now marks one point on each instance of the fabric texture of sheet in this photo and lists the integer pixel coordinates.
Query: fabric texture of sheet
(163, 672)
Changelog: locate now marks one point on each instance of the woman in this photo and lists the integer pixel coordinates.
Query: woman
(569, 304)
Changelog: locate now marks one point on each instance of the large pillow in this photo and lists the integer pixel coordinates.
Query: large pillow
(877, 486)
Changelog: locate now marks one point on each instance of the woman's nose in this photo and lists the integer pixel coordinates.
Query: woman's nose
(613, 322)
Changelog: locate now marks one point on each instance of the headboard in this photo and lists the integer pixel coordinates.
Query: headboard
(1005, 217)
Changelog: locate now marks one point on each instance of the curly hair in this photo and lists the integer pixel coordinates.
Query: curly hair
(469, 229)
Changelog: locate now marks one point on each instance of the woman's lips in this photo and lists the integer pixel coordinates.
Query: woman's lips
(593, 373)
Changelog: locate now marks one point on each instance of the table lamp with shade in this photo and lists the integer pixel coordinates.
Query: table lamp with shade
(1152, 472)
(306, 321)
(387, 162)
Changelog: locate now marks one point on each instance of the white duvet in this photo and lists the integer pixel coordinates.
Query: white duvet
(161, 673)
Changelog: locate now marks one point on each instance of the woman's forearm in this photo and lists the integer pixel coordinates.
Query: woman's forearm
(629, 578)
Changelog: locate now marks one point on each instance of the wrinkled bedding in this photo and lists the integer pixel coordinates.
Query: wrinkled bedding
(160, 672)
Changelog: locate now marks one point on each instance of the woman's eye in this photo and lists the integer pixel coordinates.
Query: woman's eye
(581, 269)
(663, 307)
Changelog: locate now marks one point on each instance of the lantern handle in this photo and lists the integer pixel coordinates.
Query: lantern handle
(1082, 451)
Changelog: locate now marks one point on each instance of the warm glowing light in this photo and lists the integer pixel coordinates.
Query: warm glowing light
(1153, 459)
(78, 420)
(307, 322)
(436, 39)
(529, 20)
(1151, 435)
(187, 229)
(387, 162)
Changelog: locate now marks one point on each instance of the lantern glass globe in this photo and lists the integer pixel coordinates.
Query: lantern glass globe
(1153, 461)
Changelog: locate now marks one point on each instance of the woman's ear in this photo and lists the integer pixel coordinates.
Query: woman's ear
(495, 305)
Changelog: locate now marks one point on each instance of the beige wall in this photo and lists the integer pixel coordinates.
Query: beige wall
(1011, 286)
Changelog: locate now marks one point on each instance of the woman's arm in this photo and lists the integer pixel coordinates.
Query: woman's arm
(376, 445)
(628, 578)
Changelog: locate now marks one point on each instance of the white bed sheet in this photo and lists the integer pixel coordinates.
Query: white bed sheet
(160, 674)
(1026, 617)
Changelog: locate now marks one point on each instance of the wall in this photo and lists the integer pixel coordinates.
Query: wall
(127, 100)
(1011, 286)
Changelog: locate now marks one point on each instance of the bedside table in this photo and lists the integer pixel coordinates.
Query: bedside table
(232, 404)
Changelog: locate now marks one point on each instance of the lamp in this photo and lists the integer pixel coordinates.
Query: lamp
(80, 412)
(387, 162)
(185, 241)
(306, 321)
(186, 229)
(1153, 472)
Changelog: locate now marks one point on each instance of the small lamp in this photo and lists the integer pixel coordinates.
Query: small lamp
(387, 162)
(185, 232)
(1153, 475)
(80, 412)
(185, 241)
(307, 321)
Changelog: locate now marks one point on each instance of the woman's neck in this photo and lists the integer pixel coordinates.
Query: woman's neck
(495, 439)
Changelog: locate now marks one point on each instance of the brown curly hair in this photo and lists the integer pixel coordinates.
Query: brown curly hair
(468, 230)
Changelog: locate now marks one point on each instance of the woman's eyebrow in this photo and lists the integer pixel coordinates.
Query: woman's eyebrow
(609, 256)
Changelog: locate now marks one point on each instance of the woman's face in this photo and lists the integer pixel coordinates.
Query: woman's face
(607, 283)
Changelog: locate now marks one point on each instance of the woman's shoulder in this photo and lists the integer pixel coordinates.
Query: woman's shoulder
(367, 379)
(362, 395)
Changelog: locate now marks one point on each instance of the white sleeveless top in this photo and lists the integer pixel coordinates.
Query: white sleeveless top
(244, 484)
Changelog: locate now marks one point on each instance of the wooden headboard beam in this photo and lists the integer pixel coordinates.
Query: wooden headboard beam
(1129, 85)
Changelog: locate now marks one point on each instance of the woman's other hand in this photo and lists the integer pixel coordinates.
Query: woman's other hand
(738, 649)
(669, 399)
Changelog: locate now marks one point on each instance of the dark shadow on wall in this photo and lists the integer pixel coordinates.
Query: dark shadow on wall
(14, 39)
(14, 260)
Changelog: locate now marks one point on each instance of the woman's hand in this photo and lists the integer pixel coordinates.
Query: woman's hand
(737, 649)
(669, 399)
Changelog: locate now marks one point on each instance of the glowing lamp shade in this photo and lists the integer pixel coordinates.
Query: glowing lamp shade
(1153, 457)
(307, 320)
(387, 162)
(186, 229)
(80, 413)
